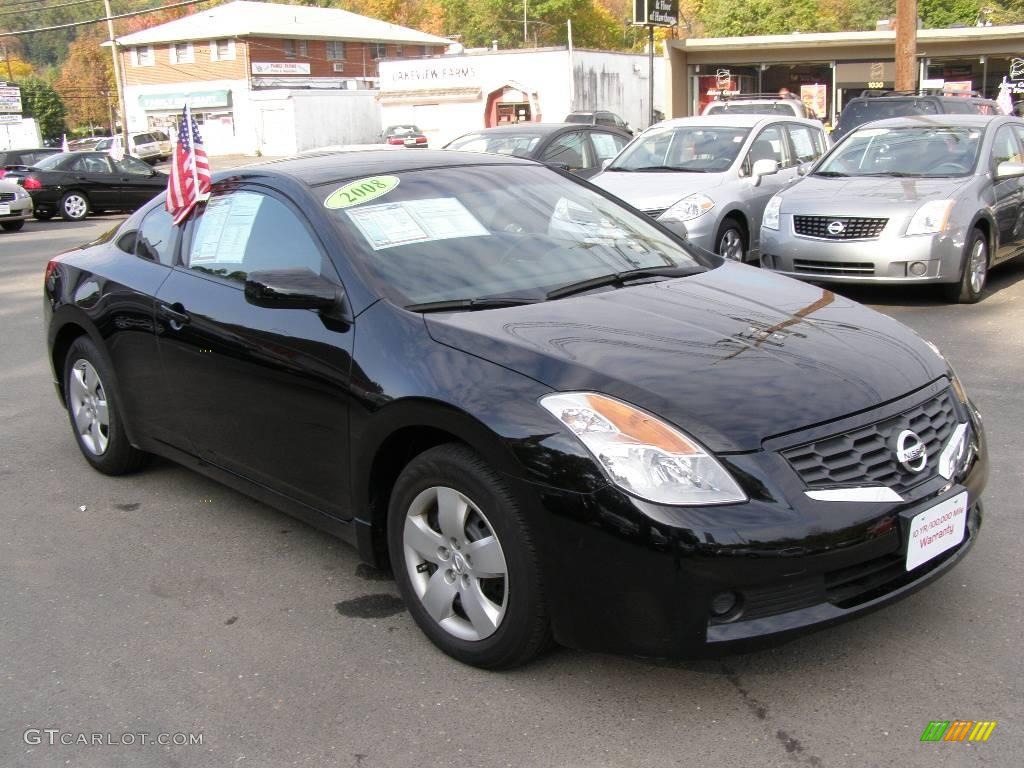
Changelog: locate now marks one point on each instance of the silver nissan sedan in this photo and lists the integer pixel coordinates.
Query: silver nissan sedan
(936, 199)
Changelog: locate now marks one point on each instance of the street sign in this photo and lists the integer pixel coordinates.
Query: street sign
(10, 99)
(656, 13)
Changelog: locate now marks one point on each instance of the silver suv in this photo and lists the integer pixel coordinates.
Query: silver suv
(709, 178)
(935, 199)
(758, 104)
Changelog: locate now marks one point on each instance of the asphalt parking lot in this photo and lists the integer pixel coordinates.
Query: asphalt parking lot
(163, 603)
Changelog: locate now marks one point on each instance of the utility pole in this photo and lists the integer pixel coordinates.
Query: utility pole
(117, 78)
(906, 45)
(525, 41)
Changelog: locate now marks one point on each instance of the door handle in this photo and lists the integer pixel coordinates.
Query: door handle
(175, 315)
(81, 178)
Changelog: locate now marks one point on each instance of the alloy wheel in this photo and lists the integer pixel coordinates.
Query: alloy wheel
(978, 265)
(455, 563)
(88, 402)
(75, 206)
(730, 245)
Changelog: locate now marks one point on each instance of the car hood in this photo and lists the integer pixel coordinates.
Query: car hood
(656, 191)
(732, 356)
(852, 195)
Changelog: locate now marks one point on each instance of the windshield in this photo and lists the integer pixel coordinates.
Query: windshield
(882, 107)
(486, 232)
(918, 151)
(579, 118)
(51, 161)
(401, 130)
(692, 148)
(520, 144)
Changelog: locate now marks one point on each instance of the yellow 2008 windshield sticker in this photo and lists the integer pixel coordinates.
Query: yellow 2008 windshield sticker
(360, 191)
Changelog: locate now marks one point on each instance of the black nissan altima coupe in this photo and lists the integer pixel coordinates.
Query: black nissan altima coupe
(552, 419)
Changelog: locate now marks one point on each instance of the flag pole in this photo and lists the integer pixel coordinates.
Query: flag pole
(192, 149)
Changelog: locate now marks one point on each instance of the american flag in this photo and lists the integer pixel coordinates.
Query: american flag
(190, 170)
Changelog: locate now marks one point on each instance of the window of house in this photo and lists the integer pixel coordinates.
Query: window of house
(142, 56)
(222, 50)
(295, 48)
(335, 50)
(399, 50)
(378, 50)
(182, 53)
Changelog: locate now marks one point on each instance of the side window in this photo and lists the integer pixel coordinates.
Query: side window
(132, 166)
(155, 238)
(769, 145)
(241, 232)
(1005, 147)
(570, 150)
(807, 142)
(1019, 130)
(91, 164)
(607, 145)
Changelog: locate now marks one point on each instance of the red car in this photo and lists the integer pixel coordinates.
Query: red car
(404, 136)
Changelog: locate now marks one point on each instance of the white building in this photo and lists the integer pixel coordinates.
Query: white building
(446, 96)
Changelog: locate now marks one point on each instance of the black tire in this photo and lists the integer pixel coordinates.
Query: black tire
(43, 215)
(971, 286)
(117, 456)
(13, 226)
(731, 232)
(74, 206)
(523, 631)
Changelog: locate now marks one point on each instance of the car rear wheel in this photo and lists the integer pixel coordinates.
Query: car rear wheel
(74, 206)
(464, 561)
(731, 241)
(94, 412)
(13, 226)
(973, 272)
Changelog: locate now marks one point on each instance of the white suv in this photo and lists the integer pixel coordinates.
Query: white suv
(151, 146)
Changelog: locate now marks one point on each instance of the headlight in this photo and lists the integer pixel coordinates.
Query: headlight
(20, 193)
(770, 220)
(931, 218)
(642, 454)
(688, 208)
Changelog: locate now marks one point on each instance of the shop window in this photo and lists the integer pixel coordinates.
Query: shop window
(378, 50)
(222, 50)
(182, 53)
(142, 56)
(335, 50)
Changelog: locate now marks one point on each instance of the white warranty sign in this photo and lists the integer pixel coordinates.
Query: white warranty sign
(936, 529)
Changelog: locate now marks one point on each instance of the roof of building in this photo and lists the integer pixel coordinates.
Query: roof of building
(244, 18)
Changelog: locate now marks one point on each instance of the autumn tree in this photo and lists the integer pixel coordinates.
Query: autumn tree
(86, 83)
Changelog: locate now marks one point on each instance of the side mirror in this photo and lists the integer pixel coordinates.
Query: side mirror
(561, 166)
(764, 167)
(804, 168)
(298, 288)
(1009, 170)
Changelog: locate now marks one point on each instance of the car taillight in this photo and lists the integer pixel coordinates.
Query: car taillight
(3, 172)
(52, 273)
(395, 140)
(421, 139)
(31, 182)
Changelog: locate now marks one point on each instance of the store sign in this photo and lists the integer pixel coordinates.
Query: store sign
(177, 101)
(656, 13)
(9, 119)
(280, 68)
(417, 74)
(10, 99)
(1016, 83)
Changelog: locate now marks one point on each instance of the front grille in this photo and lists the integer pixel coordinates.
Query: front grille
(867, 455)
(859, 268)
(655, 212)
(828, 227)
(7, 197)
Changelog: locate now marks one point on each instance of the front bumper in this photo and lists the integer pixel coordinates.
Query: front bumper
(631, 577)
(885, 259)
(19, 210)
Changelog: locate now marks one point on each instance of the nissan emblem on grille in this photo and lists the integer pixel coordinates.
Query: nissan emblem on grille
(911, 451)
(836, 228)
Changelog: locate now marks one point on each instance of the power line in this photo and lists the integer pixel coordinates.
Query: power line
(40, 9)
(100, 20)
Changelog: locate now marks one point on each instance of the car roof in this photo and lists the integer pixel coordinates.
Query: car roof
(734, 120)
(324, 167)
(51, 150)
(540, 129)
(941, 121)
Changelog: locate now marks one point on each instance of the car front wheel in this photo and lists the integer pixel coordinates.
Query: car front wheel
(973, 272)
(464, 561)
(13, 226)
(74, 206)
(731, 242)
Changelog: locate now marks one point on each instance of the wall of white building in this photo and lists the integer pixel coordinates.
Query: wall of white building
(23, 134)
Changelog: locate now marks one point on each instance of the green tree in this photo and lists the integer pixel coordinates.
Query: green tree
(40, 101)
(945, 13)
(727, 18)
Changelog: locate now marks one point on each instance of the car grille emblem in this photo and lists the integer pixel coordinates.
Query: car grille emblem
(910, 451)
(836, 227)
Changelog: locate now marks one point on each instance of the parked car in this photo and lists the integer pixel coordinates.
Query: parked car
(151, 146)
(86, 144)
(532, 401)
(407, 135)
(599, 117)
(15, 206)
(758, 104)
(881, 105)
(711, 177)
(910, 200)
(577, 148)
(12, 160)
(75, 184)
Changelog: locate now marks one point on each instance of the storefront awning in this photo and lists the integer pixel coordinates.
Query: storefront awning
(431, 95)
(195, 100)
